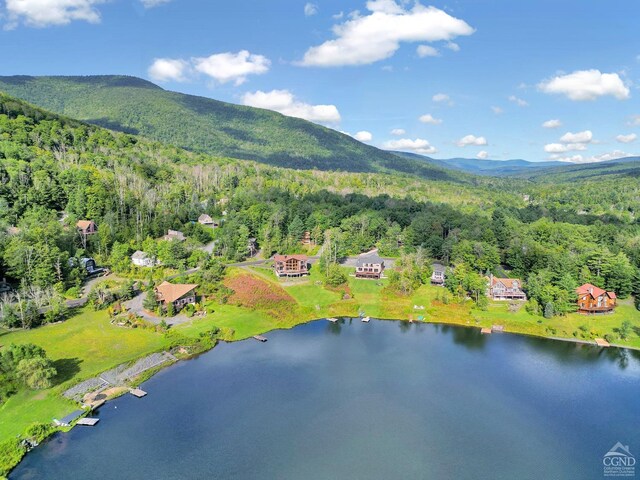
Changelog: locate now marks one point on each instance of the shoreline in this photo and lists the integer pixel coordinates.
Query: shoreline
(147, 375)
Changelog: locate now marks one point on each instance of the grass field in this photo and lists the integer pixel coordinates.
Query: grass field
(88, 344)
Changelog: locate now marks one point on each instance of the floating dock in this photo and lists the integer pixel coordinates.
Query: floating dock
(601, 342)
(136, 392)
(485, 330)
(332, 319)
(366, 319)
(497, 328)
(260, 338)
(88, 422)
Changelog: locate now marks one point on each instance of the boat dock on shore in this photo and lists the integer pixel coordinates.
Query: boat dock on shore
(260, 338)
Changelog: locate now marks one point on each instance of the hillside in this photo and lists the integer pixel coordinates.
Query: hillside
(628, 167)
(136, 106)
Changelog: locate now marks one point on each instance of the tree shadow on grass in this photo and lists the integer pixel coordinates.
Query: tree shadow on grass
(67, 368)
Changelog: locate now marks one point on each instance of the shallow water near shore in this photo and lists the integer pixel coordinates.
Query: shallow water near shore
(376, 400)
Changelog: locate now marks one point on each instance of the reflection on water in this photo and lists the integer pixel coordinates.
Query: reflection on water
(376, 400)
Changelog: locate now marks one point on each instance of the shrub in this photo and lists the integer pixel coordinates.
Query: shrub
(11, 452)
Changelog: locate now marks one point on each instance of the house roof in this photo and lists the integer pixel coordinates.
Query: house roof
(438, 267)
(84, 224)
(507, 282)
(284, 258)
(170, 292)
(371, 258)
(139, 255)
(204, 218)
(594, 291)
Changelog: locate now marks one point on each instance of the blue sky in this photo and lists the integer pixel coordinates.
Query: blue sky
(483, 76)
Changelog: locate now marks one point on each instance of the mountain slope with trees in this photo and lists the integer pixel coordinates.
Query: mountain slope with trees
(200, 124)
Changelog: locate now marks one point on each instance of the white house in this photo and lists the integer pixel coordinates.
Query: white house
(141, 259)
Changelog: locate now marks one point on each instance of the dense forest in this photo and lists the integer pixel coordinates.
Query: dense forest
(55, 171)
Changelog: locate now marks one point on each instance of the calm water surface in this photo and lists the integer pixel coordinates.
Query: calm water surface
(383, 400)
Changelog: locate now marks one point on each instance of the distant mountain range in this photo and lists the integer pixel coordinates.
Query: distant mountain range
(136, 106)
(484, 167)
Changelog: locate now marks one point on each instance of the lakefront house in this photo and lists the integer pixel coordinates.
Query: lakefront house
(438, 275)
(505, 289)
(291, 265)
(593, 300)
(177, 294)
(369, 266)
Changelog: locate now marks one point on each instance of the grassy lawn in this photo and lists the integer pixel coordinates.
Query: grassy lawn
(81, 347)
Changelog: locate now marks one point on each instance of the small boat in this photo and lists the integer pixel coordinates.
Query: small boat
(366, 319)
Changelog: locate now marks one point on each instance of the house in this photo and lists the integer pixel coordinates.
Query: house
(306, 238)
(174, 236)
(291, 265)
(178, 294)
(89, 264)
(207, 221)
(438, 275)
(369, 265)
(252, 246)
(505, 289)
(142, 259)
(86, 227)
(592, 299)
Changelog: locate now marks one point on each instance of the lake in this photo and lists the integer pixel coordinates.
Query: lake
(352, 400)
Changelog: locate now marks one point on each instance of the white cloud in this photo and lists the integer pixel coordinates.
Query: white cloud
(563, 147)
(363, 136)
(419, 145)
(43, 13)
(454, 47)
(338, 16)
(168, 69)
(553, 123)
(586, 85)
(427, 51)
(579, 137)
(153, 3)
(226, 67)
(440, 97)
(497, 110)
(366, 39)
(627, 138)
(483, 155)
(634, 121)
(285, 102)
(471, 140)
(518, 101)
(310, 9)
(398, 131)
(603, 157)
(428, 118)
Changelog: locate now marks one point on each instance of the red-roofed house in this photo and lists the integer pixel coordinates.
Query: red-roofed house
(505, 289)
(592, 299)
(291, 265)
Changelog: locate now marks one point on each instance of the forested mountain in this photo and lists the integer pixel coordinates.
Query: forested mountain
(199, 124)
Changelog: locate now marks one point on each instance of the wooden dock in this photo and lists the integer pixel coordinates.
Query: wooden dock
(88, 422)
(601, 342)
(136, 392)
(366, 319)
(497, 328)
(260, 338)
(332, 319)
(485, 330)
